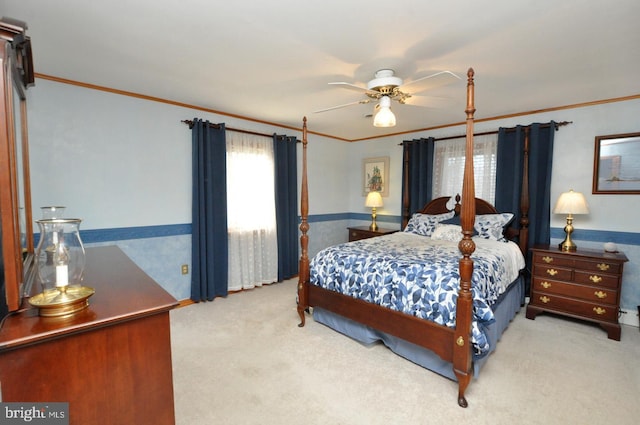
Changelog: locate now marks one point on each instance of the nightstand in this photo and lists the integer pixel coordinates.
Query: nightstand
(584, 284)
(363, 232)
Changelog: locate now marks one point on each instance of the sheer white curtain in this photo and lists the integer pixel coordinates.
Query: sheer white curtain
(251, 211)
(449, 167)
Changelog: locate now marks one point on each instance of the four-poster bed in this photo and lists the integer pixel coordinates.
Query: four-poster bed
(452, 343)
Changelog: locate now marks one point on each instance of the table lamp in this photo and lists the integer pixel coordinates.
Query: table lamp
(374, 200)
(570, 203)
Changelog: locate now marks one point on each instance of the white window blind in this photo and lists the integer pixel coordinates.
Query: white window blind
(448, 167)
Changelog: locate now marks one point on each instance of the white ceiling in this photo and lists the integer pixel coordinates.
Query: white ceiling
(272, 60)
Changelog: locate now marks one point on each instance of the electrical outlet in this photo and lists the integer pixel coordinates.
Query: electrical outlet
(185, 269)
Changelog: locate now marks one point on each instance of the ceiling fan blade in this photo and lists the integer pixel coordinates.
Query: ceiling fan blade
(354, 87)
(429, 82)
(359, 102)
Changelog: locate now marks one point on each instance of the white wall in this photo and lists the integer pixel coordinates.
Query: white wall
(119, 161)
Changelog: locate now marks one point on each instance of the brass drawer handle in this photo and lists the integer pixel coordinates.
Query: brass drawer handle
(603, 267)
(545, 299)
(545, 285)
(547, 259)
(552, 272)
(595, 279)
(599, 310)
(600, 294)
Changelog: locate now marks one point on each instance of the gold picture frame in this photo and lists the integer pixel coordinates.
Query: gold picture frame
(616, 164)
(375, 175)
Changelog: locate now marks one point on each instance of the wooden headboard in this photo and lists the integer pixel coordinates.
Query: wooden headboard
(439, 206)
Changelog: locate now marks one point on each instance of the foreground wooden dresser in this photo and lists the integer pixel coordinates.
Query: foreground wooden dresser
(111, 362)
(584, 284)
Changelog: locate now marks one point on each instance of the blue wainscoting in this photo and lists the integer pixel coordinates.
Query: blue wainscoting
(161, 251)
(158, 250)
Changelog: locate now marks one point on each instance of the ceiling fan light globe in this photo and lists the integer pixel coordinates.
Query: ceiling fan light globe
(384, 118)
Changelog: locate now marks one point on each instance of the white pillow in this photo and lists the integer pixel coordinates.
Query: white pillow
(447, 232)
(425, 224)
(491, 226)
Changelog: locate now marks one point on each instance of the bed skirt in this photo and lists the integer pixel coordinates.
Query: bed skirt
(508, 305)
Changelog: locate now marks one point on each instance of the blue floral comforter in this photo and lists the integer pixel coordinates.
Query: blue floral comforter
(419, 276)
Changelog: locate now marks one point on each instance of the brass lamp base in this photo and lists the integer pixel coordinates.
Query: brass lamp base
(63, 301)
(567, 244)
(373, 226)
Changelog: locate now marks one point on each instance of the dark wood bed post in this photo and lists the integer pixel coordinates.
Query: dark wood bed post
(462, 366)
(303, 272)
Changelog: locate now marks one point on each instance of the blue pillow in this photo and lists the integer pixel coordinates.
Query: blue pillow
(424, 224)
(491, 226)
(453, 220)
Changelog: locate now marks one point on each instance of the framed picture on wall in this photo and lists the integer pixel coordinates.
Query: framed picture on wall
(616, 165)
(375, 175)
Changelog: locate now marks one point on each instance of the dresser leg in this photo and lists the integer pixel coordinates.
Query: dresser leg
(532, 312)
(613, 331)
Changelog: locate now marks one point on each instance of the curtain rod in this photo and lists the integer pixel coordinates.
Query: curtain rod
(485, 133)
(190, 124)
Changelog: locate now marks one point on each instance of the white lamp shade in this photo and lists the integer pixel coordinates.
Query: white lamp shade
(384, 117)
(373, 200)
(571, 203)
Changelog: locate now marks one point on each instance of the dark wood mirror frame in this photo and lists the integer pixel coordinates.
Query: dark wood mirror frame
(616, 164)
(17, 268)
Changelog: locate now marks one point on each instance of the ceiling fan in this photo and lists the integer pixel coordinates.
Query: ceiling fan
(386, 86)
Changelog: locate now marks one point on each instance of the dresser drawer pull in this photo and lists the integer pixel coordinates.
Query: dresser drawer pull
(599, 310)
(552, 272)
(547, 259)
(595, 279)
(545, 285)
(600, 294)
(603, 267)
(545, 299)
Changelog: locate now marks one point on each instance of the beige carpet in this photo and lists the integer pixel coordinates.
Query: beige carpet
(243, 360)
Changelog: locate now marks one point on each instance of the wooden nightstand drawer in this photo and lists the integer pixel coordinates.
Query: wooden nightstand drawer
(577, 307)
(598, 266)
(552, 272)
(597, 279)
(587, 293)
(549, 259)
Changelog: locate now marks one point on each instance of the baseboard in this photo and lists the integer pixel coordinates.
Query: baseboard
(184, 303)
(629, 317)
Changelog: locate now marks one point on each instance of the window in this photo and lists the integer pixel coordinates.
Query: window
(250, 190)
(448, 165)
(251, 211)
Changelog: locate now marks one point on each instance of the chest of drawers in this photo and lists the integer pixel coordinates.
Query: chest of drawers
(584, 284)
